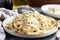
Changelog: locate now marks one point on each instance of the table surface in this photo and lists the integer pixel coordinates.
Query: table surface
(51, 37)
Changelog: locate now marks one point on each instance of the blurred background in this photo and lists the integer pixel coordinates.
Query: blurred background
(11, 4)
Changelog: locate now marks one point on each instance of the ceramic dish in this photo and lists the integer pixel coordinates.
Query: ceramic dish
(51, 10)
(9, 20)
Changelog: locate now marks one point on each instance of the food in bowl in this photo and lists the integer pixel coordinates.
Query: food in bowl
(55, 10)
(31, 23)
(52, 10)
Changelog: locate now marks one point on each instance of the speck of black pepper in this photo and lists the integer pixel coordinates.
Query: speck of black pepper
(30, 12)
(26, 19)
(19, 20)
(34, 30)
(16, 31)
(40, 29)
(18, 26)
(41, 24)
(33, 15)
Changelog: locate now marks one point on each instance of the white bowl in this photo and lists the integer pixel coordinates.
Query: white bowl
(44, 9)
(9, 20)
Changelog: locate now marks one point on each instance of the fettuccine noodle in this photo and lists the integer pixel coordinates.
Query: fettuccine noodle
(31, 23)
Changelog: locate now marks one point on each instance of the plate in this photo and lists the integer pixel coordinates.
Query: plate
(45, 9)
(9, 20)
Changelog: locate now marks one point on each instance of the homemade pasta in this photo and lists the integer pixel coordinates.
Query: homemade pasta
(30, 22)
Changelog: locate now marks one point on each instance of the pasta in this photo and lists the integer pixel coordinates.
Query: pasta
(55, 10)
(31, 23)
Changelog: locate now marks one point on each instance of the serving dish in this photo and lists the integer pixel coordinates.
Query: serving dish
(51, 10)
(9, 20)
